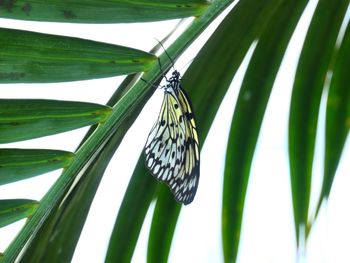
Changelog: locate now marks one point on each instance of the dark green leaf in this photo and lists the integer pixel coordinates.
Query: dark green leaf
(12, 210)
(27, 119)
(206, 83)
(162, 227)
(101, 11)
(136, 201)
(19, 164)
(34, 57)
(248, 116)
(338, 115)
(132, 212)
(57, 240)
(315, 61)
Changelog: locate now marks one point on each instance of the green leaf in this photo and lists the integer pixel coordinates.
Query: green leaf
(137, 199)
(62, 224)
(135, 204)
(57, 239)
(94, 144)
(315, 61)
(27, 57)
(127, 83)
(12, 210)
(139, 193)
(215, 66)
(338, 115)
(162, 227)
(28, 119)
(142, 184)
(101, 11)
(19, 164)
(249, 112)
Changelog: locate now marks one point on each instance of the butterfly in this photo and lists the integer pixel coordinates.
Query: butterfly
(172, 146)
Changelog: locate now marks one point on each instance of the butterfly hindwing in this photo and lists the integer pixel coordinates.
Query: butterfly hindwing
(188, 178)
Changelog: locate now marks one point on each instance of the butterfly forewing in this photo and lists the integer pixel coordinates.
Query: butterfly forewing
(172, 148)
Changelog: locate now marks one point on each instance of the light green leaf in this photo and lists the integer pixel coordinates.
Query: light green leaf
(19, 164)
(101, 11)
(12, 210)
(28, 119)
(34, 57)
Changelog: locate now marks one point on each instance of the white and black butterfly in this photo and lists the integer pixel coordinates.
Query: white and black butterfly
(172, 147)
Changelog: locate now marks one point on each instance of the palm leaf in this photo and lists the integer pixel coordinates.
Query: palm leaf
(264, 26)
(309, 83)
(101, 11)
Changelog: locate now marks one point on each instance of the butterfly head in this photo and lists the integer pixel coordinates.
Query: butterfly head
(173, 84)
(175, 75)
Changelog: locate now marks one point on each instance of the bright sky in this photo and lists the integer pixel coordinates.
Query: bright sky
(267, 233)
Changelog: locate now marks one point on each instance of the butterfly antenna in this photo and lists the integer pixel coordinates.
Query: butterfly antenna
(171, 60)
(161, 69)
(189, 62)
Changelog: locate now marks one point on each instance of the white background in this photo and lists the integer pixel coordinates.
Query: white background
(267, 232)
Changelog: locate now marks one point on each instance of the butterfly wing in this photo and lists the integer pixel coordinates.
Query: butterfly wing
(172, 147)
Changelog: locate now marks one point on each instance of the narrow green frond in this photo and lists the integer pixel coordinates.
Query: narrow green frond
(163, 226)
(12, 210)
(32, 118)
(315, 61)
(28, 57)
(337, 116)
(101, 11)
(206, 83)
(19, 164)
(249, 112)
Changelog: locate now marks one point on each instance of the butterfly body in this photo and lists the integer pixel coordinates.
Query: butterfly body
(172, 147)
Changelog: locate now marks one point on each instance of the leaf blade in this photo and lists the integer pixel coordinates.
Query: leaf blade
(101, 11)
(62, 224)
(215, 66)
(27, 57)
(312, 68)
(12, 210)
(248, 116)
(103, 132)
(162, 228)
(19, 164)
(337, 117)
(32, 118)
(136, 201)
